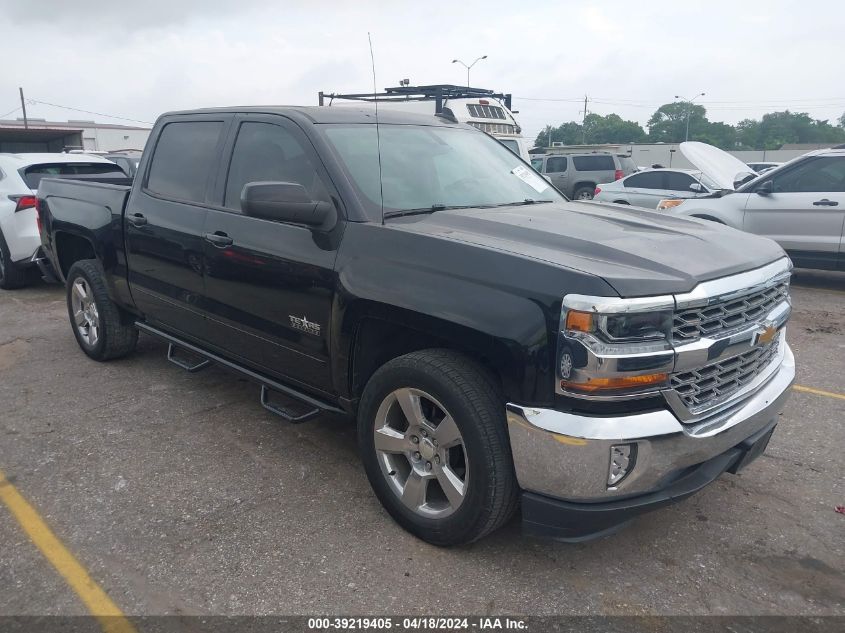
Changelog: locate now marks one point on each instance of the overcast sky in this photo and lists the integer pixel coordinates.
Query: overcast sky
(141, 58)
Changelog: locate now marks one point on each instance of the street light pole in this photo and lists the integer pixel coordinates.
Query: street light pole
(458, 61)
(689, 109)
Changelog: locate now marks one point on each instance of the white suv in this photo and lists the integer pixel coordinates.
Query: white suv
(19, 178)
(800, 205)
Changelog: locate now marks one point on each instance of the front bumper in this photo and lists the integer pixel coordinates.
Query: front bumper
(563, 458)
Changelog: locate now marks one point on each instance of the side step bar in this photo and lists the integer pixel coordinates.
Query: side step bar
(185, 363)
(314, 405)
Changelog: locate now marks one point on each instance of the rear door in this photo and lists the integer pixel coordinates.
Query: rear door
(164, 220)
(556, 167)
(645, 189)
(270, 285)
(805, 211)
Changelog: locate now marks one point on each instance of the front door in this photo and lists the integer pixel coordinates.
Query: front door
(805, 211)
(165, 218)
(269, 285)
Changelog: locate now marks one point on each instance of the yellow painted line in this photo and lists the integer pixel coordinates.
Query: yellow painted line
(110, 617)
(819, 392)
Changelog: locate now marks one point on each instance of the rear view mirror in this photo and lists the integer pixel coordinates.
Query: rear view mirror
(766, 188)
(286, 202)
(696, 187)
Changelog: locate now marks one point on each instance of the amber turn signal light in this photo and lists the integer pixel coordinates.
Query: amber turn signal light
(620, 382)
(579, 321)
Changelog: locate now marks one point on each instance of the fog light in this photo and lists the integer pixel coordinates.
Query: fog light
(622, 459)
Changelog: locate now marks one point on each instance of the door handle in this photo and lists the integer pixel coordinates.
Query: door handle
(136, 219)
(219, 239)
(824, 202)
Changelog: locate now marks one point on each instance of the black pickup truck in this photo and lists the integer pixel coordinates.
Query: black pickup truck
(496, 343)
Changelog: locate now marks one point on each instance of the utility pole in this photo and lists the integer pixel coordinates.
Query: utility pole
(23, 105)
(584, 122)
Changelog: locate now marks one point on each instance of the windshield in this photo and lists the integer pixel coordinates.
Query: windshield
(430, 168)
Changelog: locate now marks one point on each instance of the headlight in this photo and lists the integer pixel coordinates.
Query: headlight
(615, 348)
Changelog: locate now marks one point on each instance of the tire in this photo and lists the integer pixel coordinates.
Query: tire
(441, 382)
(11, 275)
(584, 193)
(100, 332)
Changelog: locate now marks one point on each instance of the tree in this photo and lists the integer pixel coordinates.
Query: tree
(669, 123)
(612, 128)
(842, 120)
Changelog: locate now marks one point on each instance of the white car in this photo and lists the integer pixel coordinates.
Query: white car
(800, 205)
(19, 178)
(648, 187)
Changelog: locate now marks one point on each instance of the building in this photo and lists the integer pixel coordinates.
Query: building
(50, 136)
(668, 154)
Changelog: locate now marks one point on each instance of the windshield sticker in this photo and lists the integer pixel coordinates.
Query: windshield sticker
(530, 178)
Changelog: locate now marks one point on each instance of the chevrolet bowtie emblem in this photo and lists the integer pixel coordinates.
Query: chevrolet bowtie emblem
(765, 335)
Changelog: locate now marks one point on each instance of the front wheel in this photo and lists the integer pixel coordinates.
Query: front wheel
(95, 319)
(435, 447)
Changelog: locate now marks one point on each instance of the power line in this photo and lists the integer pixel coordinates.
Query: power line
(110, 116)
(3, 116)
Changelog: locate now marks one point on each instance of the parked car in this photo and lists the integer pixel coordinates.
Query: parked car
(800, 205)
(764, 166)
(495, 342)
(647, 188)
(576, 175)
(128, 162)
(19, 178)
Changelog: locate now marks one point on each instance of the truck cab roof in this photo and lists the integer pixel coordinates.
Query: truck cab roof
(322, 115)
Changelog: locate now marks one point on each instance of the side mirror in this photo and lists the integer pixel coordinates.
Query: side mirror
(765, 189)
(286, 202)
(696, 187)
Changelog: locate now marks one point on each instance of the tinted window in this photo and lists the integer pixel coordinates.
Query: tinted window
(814, 175)
(678, 181)
(184, 157)
(645, 180)
(269, 153)
(556, 164)
(594, 163)
(33, 174)
(537, 163)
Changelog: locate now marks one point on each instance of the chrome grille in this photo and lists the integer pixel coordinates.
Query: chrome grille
(707, 386)
(714, 320)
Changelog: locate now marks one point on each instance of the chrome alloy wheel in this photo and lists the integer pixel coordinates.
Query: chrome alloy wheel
(421, 453)
(85, 314)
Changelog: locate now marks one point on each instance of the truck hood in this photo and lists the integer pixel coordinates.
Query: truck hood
(719, 166)
(637, 251)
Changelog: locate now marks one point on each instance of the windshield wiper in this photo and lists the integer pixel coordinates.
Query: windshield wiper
(442, 207)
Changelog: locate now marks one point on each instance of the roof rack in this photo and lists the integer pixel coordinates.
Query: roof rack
(435, 92)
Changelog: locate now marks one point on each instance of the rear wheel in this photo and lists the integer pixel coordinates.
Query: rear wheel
(435, 447)
(11, 275)
(584, 193)
(95, 319)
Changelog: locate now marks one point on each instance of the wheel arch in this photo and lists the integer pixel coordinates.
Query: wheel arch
(377, 333)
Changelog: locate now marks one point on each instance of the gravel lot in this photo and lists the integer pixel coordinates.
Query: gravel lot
(181, 495)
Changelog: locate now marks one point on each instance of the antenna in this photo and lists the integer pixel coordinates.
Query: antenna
(378, 135)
